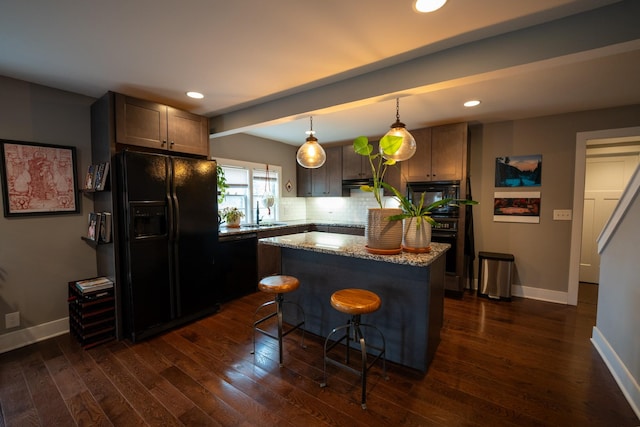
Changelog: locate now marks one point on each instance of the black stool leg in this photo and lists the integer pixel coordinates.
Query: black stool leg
(279, 302)
(363, 351)
(354, 324)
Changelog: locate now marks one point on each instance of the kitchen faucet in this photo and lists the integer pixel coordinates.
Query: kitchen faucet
(258, 213)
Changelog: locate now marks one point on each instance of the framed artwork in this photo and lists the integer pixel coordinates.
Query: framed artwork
(517, 207)
(38, 179)
(519, 171)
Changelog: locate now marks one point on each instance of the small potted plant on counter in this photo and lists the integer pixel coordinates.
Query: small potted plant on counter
(231, 216)
(416, 236)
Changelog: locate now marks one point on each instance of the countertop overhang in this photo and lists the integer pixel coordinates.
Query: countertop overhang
(352, 246)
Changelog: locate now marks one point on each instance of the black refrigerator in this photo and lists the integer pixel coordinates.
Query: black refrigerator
(169, 234)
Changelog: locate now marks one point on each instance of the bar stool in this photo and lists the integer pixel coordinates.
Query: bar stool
(355, 302)
(278, 285)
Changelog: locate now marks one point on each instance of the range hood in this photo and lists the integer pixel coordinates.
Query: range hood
(355, 183)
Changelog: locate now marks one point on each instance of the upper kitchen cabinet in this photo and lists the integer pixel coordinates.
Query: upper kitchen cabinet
(303, 178)
(152, 125)
(441, 154)
(325, 181)
(354, 166)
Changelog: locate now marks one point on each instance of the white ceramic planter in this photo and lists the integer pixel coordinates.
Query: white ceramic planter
(416, 238)
(382, 234)
(234, 224)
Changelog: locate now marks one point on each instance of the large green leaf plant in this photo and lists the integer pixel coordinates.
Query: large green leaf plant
(388, 145)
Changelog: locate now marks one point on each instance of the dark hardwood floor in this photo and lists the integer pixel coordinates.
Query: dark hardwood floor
(519, 363)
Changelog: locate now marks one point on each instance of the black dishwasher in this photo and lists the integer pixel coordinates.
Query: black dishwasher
(237, 265)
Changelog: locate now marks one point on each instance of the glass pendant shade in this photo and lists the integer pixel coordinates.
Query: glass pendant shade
(408, 147)
(311, 155)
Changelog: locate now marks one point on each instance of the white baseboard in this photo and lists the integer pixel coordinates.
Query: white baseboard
(534, 293)
(24, 337)
(539, 294)
(627, 383)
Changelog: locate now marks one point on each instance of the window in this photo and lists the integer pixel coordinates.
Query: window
(253, 187)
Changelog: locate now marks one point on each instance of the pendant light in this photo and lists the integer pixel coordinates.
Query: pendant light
(408, 146)
(311, 155)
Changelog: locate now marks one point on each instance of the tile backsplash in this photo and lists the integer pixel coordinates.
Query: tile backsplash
(335, 209)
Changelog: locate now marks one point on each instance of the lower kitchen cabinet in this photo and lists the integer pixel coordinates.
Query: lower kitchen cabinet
(237, 265)
(269, 256)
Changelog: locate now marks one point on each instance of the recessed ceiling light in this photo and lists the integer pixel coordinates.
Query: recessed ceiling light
(472, 103)
(195, 95)
(426, 6)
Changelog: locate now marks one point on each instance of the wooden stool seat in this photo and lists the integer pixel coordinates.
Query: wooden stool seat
(355, 301)
(278, 284)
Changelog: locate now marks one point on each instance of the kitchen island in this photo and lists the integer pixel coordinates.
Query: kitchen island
(411, 287)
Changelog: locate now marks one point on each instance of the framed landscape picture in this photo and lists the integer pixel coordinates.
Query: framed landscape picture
(519, 171)
(38, 179)
(517, 207)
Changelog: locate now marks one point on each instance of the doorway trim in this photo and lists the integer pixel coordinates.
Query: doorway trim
(582, 139)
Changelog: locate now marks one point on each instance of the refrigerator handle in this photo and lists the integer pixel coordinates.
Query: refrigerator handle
(170, 222)
(174, 208)
(176, 213)
(169, 198)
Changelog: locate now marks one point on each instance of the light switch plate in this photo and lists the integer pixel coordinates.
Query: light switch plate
(562, 214)
(12, 320)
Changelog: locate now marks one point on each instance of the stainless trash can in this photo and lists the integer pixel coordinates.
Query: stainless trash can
(495, 272)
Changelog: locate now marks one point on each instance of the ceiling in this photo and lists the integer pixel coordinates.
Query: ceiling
(265, 67)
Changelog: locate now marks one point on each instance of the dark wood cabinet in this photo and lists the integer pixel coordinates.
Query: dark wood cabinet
(269, 256)
(449, 152)
(357, 167)
(341, 229)
(440, 154)
(394, 178)
(418, 167)
(303, 179)
(152, 125)
(354, 166)
(325, 181)
(237, 265)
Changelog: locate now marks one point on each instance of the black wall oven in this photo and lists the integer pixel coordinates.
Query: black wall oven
(447, 232)
(447, 216)
(433, 192)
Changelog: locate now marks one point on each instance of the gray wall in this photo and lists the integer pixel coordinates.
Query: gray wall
(39, 255)
(259, 150)
(541, 250)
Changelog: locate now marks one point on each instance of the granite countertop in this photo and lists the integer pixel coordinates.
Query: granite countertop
(351, 246)
(224, 230)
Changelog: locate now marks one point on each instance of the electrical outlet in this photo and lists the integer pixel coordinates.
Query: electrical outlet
(562, 214)
(12, 320)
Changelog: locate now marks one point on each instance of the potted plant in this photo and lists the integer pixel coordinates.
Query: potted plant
(222, 183)
(417, 219)
(383, 235)
(232, 216)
